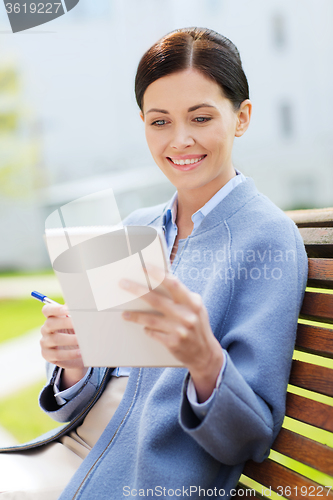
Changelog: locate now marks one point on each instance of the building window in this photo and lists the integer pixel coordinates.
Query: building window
(279, 31)
(286, 119)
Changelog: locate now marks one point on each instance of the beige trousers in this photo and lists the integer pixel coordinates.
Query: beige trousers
(42, 474)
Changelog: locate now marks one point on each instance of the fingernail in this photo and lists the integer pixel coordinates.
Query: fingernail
(126, 314)
(63, 310)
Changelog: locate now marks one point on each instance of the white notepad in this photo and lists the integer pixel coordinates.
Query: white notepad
(89, 263)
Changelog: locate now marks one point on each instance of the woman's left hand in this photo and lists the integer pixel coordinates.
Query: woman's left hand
(181, 323)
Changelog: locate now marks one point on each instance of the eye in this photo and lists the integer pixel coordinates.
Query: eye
(159, 123)
(202, 119)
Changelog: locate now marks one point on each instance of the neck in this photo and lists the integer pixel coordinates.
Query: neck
(191, 200)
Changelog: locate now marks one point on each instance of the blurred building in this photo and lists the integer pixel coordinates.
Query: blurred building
(72, 125)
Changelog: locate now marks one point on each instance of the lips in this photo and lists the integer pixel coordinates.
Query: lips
(186, 162)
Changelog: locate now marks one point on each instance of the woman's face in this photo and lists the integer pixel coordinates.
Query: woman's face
(190, 128)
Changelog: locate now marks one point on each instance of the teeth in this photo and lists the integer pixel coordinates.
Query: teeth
(186, 162)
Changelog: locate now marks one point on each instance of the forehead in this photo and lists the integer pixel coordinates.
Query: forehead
(182, 90)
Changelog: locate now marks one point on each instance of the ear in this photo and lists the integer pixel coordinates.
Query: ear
(141, 116)
(243, 117)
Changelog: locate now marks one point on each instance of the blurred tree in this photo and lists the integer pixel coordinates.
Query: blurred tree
(20, 146)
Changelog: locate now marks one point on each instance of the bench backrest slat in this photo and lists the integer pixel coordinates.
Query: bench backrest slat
(315, 340)
(304, 450)
(312, 377)
(310, 412)
(314, 337)
(274, 475)
(318, 307)
(318, 217)
(318, 241)
(317, 235)
(320, 273)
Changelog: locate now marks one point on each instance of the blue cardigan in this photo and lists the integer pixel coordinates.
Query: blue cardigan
(248, 262)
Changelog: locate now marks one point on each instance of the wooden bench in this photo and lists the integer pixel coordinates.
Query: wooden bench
(314, 408)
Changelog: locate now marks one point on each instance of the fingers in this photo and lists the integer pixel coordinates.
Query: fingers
(59, 339)
(61, 349)
(157, 301)
(159, 327)
(69, 358)
(57, 346)
(179, 319)
(150, 320)
(54, 310)
(169, 332)
(173, 342)
(182, 302)
(178, 291)
(56, 323)
(173, 333)
(55, 340)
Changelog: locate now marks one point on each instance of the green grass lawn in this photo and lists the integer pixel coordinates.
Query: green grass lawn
(35, 421)
(42, 272)
(19, 316)
(16, 318)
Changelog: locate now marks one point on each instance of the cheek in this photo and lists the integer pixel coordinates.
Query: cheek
(156, 141)
(215, 141)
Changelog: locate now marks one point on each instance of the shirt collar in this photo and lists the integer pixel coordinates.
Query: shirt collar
(170, 212)
(171, 209)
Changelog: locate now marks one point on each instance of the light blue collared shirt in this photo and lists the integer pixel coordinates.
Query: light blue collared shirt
(171, 231)
(170, 214)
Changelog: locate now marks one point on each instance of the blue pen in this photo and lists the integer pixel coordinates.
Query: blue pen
(44, 298)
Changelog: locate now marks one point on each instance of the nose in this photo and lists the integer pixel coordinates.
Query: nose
(182, 138)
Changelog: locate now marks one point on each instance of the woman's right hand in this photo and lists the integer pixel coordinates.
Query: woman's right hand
(59, 344)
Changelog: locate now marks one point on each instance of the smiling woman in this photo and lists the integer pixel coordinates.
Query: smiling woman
(230, 321)
(190, 127)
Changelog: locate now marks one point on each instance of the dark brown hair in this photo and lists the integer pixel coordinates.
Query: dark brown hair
(198, 48)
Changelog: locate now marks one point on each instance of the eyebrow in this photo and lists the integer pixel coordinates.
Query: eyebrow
(192, 108)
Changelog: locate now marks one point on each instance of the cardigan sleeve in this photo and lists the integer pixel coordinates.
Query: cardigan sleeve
(257, 335)
(73, 407)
